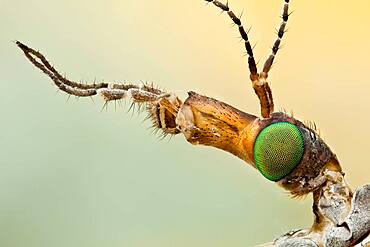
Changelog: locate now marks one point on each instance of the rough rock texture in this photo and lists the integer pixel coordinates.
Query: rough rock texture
(342, 219)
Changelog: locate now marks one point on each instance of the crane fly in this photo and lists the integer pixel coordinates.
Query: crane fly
(282, 148)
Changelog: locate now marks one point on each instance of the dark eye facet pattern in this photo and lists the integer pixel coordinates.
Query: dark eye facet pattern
(278, 149)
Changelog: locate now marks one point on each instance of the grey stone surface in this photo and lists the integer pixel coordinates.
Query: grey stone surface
(352, 230)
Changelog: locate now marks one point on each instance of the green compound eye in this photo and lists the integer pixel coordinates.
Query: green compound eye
(278, 150)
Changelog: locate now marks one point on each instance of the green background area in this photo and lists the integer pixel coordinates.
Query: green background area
(71, 175)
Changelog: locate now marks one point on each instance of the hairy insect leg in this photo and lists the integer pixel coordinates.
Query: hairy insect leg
(162, 106)
(164, 113)
(37, 59)
(109, 91)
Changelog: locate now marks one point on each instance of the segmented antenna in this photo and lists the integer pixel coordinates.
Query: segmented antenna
(244, 35)
(260, 85)
(276, 46)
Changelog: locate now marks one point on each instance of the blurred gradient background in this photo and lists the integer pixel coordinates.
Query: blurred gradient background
(71, 175)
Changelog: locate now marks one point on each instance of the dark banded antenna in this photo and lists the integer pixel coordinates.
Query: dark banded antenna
(244, 35)
(259, 80)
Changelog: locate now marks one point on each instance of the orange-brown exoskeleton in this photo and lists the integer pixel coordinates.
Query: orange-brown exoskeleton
(281, 147)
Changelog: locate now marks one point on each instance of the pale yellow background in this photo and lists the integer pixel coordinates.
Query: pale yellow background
(73, 176)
